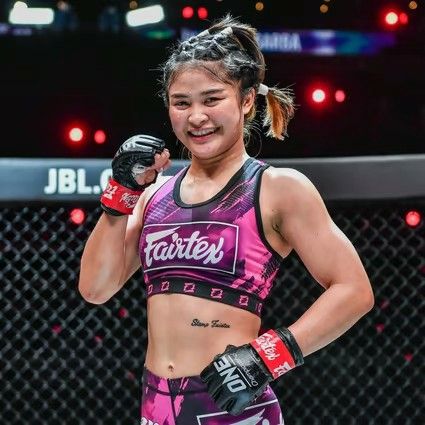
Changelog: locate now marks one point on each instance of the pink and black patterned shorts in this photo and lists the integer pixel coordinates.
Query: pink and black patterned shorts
(185, 401)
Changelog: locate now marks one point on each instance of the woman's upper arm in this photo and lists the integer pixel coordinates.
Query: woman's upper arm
(131, 242)
(307, 226)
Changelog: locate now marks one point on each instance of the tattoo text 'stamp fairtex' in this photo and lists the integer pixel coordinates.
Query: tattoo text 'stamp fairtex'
(212, 324)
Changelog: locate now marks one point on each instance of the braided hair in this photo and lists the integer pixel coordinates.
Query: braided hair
(229, 50)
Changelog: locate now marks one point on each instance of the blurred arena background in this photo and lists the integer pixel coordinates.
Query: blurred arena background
(89, 69)
(78, 77)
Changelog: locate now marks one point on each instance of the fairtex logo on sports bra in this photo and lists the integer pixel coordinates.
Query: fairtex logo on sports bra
(200, 245)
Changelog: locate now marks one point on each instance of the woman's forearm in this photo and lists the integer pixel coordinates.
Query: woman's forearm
(332, 314)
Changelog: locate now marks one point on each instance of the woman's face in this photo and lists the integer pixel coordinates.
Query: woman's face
(206, 114)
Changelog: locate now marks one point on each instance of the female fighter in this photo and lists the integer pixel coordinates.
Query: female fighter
(210, 241)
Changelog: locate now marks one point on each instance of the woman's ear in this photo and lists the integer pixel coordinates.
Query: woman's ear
(248, 101)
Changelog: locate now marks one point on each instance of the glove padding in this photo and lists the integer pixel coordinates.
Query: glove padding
(236, 378)
(133, 156)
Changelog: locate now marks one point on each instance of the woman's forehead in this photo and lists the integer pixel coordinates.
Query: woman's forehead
(198, 78)
(193, 77)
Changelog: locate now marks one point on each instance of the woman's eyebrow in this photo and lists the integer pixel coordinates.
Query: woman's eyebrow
(211, 91)
(204, 93)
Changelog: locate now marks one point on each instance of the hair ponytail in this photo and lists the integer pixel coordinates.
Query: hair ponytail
(279, 110)
(280, 106)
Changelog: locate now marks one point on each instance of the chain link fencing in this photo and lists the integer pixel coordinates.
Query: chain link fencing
(64, 361)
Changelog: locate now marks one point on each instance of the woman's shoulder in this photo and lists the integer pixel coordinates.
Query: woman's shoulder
(291, 186)
(285, 176)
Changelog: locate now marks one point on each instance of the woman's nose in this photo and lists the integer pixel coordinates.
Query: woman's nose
(197, 117)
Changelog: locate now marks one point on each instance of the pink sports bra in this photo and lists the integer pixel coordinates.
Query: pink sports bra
(214, 249)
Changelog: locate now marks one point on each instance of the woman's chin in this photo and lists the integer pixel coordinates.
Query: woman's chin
(202, 153)
(203, 150)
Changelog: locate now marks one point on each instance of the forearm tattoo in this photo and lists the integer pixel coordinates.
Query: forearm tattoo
(212, 324)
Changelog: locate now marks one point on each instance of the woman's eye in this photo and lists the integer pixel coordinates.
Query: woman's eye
(181, 103)
(211, 99)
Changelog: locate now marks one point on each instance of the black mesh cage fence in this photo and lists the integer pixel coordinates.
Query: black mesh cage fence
(65, 361)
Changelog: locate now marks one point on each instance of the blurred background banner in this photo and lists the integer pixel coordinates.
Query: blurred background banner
(318, 42)
(353, 178)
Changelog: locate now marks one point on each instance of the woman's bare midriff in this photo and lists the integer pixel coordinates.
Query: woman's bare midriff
(186, 332)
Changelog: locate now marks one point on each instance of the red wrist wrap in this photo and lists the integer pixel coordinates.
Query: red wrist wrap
(274, 353)
(120, 198)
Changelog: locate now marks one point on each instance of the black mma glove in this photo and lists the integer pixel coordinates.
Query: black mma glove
(238, 376)
(135, 155)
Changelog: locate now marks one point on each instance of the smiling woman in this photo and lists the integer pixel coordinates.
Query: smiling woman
(211, 239)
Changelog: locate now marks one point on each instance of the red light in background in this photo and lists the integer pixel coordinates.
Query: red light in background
(202, 13)
(318, 96)
(404, 19)
(76, 134)
(100, 137)
(123, 312)
(413, 218)
(187, 12)
(340, 96)
(77, 216)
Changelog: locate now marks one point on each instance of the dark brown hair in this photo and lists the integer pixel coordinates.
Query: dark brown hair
(232, 56)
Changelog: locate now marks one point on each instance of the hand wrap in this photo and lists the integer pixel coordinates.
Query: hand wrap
(133, 157)
(238, 376)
